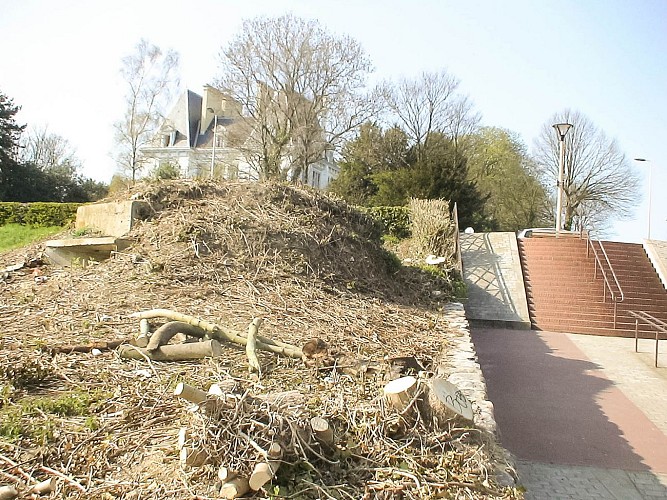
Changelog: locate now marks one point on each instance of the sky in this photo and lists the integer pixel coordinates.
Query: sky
(520, 61)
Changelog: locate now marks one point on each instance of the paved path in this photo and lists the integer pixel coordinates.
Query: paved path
(586, 416)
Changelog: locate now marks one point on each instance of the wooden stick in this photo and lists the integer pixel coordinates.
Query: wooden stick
(182, 437)
(144, 333)
(163, 335)
(189, 393)
(322, 431)
(175, 352)
(219, 333)
(102, 346)
(235, 488)
(8, 493)
(250, 347)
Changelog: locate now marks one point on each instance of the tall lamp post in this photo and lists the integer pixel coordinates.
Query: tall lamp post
(215, 131)
(650, 180)
(561, 129)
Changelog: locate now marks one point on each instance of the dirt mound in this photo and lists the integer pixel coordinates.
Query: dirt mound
(313, 268)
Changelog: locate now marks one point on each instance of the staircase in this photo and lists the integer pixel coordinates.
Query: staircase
(564, 294)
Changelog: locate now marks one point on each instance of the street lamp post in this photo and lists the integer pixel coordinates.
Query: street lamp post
(650, 181)
(215, 131)
(561, 129)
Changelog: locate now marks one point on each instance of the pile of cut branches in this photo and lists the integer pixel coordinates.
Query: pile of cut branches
(104, 426)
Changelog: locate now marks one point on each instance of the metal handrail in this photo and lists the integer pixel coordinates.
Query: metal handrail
(607, 283)
(659, 325)
(459, 261)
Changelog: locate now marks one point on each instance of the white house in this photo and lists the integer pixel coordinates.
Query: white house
(204, 136)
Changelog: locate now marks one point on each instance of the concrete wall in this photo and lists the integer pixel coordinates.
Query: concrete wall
(657, 254)
(494, 279)
(112, 219)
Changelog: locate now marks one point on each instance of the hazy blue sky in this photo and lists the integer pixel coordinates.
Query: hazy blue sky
(519, 60)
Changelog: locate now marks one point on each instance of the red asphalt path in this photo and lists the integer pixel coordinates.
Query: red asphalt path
(553, 405)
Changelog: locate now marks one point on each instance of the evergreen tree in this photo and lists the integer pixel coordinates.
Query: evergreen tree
(10, 132)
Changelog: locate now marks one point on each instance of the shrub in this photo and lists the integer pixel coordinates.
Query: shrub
(395, 220)
(37, 214)
(432, 229)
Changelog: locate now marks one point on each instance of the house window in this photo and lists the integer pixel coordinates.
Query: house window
(219, 140)
(316, 179)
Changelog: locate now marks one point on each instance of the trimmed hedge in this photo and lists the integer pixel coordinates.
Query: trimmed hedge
(38, 214)
(395, 220)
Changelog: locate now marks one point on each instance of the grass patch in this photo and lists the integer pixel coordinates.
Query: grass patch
(16, 235)
(36, 418)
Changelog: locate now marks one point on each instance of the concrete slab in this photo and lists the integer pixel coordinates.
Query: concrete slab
(111, 219)
(494, 279)
(82, 250)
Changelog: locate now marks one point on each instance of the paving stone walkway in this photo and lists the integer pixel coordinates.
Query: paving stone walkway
(569, 482)
(585, 416)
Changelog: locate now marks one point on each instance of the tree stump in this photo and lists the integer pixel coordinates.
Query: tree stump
(400, 393)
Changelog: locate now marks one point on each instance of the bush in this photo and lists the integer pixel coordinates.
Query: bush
(395, 220)
(38, 214)
(432, 229)
(166, 171)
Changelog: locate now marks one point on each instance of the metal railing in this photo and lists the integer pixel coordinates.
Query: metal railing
(616, 298)
(455, 216)
(659, 325)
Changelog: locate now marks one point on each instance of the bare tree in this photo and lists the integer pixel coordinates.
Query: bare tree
(48, 151)
(432, 103)
(599, 183)
(303, 90)
(152, 78)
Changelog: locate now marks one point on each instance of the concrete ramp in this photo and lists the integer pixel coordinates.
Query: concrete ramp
(80, 251)
(493, 276)
(113, 220)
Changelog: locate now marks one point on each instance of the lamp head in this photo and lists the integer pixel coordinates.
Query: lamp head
(562, 129)
(641, 159)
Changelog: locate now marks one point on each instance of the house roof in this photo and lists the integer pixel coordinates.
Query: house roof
(184, 124)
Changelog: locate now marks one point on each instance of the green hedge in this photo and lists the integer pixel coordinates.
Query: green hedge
(38, 214)
(396, 220)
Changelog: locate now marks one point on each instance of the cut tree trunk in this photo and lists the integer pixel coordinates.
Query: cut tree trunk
(223, 334)
(401, 393)
(44, 488)
(176, 352)
(226, 474)
(189, 393)
(162, 335)
(322, 430)
(235, 488)
(264, 472)
(446, 402)
(8, 493)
